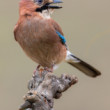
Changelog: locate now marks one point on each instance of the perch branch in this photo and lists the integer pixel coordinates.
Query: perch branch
(43, 88)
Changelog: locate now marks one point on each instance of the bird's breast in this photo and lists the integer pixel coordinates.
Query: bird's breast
(40, 42)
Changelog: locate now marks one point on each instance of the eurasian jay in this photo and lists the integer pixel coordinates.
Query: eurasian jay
(42, 39)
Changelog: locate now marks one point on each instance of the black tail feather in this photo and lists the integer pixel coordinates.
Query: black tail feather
(84, 67)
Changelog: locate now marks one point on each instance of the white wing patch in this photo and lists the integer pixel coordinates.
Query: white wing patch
(71, 58)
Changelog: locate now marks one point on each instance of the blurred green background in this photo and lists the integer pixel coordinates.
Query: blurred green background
(86, 25)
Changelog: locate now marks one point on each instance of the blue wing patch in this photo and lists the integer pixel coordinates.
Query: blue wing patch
(61, 37)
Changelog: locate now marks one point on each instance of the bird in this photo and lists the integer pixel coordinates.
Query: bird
(42, 39)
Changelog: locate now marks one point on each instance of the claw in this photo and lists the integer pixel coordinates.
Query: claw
(48, 69)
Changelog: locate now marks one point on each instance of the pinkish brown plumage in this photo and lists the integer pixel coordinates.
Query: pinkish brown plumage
(42, 39)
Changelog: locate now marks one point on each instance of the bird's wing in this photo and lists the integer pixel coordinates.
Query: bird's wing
(59, 32)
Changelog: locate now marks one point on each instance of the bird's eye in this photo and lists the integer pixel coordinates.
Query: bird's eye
(38, 1)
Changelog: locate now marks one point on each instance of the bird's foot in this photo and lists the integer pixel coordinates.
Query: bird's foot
(48, 69)
(41, 69)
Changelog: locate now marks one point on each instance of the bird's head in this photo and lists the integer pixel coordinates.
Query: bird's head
(45, 7)
(40, 5)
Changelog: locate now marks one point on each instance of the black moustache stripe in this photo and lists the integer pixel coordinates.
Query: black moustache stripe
(47, 6)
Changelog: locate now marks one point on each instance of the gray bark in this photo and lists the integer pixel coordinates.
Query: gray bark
(43, 88)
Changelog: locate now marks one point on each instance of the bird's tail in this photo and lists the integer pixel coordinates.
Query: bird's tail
(81, 65)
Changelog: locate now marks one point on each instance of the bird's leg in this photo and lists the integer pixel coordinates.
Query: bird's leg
(40, 69)
(37, 69)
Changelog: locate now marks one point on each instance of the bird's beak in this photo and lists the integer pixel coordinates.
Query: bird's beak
(57, 1)
(50, 4)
